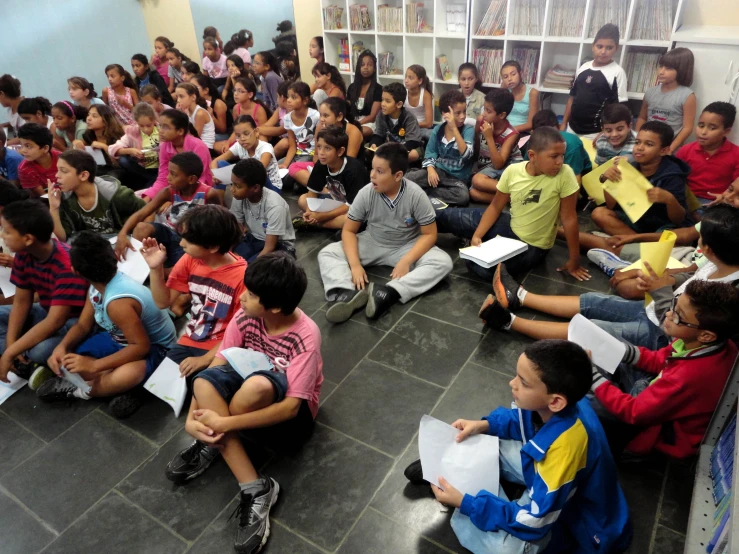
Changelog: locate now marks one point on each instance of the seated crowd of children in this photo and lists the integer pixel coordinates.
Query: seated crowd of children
(145, 162)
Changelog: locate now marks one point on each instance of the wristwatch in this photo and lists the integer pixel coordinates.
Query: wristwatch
(602, 178)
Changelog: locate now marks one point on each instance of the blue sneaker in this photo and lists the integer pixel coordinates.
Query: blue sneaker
(607, 261)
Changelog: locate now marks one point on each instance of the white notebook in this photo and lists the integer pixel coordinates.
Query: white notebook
(494, 251)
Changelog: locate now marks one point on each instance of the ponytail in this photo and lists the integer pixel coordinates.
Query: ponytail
(192, 90)
(420, 72)
(127, 79)
(180, 121)
(83, 84)
(70, 110)
(168, 44)
(180, 55)
(323, 68)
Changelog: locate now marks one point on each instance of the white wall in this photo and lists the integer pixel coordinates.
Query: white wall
(230, 16)
(307, 26)
(45, 41)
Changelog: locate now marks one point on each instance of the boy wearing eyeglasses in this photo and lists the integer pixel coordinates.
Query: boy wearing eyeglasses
(662, 400)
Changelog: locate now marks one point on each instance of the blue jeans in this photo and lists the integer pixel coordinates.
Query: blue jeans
(142, 178)
(250, 247)
(463, 222)
(41, 352)
(171, 240)
(624, 319)
(499, 542)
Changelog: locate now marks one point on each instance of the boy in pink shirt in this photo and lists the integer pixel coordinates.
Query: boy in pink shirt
(278, 405)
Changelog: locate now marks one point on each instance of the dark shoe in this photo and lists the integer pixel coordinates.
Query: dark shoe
(252, 515)
(493, 314)
(24, 370)
(414, 473)
(32, 372)
(124, 405)
(380, 300)
(56, 389)
(299, 223)
(506, 289)
(191, 462)
(346, 303)
(438, 204)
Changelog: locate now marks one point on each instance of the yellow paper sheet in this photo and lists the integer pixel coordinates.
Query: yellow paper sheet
(657, 254)
(630, 192)
(590, 149)
(672, 263)
(592, 184)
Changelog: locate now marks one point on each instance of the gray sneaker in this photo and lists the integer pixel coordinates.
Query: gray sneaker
(607, 261)
(253, 515)
(346, 303)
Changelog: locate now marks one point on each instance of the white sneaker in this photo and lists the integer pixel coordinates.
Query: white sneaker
(607, 261)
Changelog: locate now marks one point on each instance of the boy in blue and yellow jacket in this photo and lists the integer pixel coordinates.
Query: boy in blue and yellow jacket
(554, 445)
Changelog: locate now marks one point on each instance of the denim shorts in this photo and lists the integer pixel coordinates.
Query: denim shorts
(227, 381)
(101, 345)
(490, 171)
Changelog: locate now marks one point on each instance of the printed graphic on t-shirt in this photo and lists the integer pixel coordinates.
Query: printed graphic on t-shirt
(304, 136)
(102, 319)
(532, 197)
(660, 114)
(336, 189)
(286, 347)
(211, 301)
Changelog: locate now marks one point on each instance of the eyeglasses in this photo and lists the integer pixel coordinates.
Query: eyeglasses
(676, 318)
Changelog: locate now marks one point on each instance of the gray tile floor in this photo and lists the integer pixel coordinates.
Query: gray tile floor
(74, 480)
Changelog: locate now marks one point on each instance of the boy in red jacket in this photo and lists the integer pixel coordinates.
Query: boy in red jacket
(664, 399)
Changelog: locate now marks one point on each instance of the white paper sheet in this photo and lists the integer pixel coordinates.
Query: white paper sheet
(167, 384)
(76, 380)
(320, 205)
(246, 361)
(9, 389)
(6, 286)
(134, 265)
(493, 251)
(607, 351)
(96, 154)
(469, 466)
(223, 174)
(283, 173)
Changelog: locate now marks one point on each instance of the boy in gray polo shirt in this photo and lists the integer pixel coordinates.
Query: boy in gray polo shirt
(262, 211)
(401, 232)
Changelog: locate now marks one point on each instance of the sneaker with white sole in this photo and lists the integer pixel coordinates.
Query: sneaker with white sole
(345, 304)
(39, 376)
(607, 261)
(55, 390)
(252, 515)
(191, 462)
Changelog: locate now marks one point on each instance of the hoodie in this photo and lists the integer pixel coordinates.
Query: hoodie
(672, 176)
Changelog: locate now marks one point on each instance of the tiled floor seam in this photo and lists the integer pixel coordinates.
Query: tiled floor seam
(439, 545)
(30, 512)
(356, 440)
(293, 532)
(659, 508)
(174, 533)
(383, 364)
(20, 424)
(211, 522)
(446, 322)
(132, 431)
(575, 282)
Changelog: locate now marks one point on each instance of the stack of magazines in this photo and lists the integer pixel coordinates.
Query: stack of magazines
(567, 18)
(385, 64)
(641, 69)
(416, 18)
(488, 61)
(528, 17)
(359, 17)
(653, 19)
(493, 23)
(389, 19)
(332, 18)
(559, 77)
(528, 58)
(608, 11)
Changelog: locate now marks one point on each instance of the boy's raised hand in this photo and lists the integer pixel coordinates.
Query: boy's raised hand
(469, 427)
(449, 116)
(154, 253)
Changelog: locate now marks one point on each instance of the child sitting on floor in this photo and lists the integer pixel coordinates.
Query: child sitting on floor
(541, 192)
(401, 232)
(209, 273)
(575, 155)
(396, 124)
(39, 158)
(498, 145)
(183, 193)
(29, 330)
(81, 201)
(663, 400)
(616, 137)
(668, 175)
(132, 341)
(137, 151)
(553, 444)
(263, 212)
(449, 154)
(10, 161)
(274, 407)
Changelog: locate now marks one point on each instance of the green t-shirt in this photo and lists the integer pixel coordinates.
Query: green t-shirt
(535, 202)
(575, 155)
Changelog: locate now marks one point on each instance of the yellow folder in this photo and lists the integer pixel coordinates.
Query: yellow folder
(630, 192)
(657, 255)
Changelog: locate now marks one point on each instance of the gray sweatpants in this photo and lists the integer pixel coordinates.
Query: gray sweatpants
(431, 268)
(451, 190)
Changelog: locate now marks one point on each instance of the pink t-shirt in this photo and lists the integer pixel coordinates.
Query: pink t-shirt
(299, 346)
(243, 53)
(162, 67)
(167, 151)
(215, 69)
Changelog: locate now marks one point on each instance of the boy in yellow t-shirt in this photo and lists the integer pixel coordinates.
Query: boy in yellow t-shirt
(541, 192)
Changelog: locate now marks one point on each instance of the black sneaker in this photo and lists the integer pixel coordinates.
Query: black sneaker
(124, 405)
(253, 515)
(56, 389)
(191, 462)
(32, 372)
(299, 223)
(380, 300)
(346, 303)
(506, 288)
(493, 314)
(414, 473)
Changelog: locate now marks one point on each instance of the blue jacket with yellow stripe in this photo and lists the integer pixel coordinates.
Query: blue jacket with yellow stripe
(571, 478)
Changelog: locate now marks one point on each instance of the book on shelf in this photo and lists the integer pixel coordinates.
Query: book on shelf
(641, 67)
(416, 18)
(559, 77)
(456, 18)
(488, 61)
(528, 17)
(357, 48)
(389, 19)
(442, 68)
(567, 18)
(344, 63)
(359, 17)
(653, 20)
(385, 62)
(528, 58)
(493, 22)
(608, 11)
(332, 18)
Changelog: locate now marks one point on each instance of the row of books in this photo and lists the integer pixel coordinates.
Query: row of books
(389, 19)
(528, 17)
(332, 17)
(456, 18)
(641, 69)
(653, 19)
(385, 66)
(359, 17)
(415, 13)
(528, 58)
(442, 68)
(722, 472)
(493, 22)
(559, 77)
(344, 56)
(608, 11)
(488, 62)
(567, 18)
